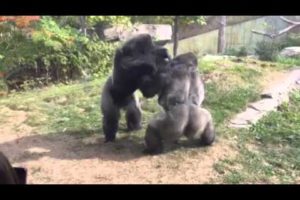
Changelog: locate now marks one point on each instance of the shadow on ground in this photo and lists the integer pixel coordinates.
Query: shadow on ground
(76, 146)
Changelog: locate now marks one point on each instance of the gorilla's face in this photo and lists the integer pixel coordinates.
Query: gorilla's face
(175, 84)
(174, 87)
(187, 60)
(140, 62)
(141, 54)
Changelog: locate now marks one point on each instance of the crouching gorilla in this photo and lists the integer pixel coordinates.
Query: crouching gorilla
(137, 65)
(180, 98)
(9, 174)
(189, 62)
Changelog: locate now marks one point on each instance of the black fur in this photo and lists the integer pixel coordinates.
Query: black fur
(9, 174)
(137, 65)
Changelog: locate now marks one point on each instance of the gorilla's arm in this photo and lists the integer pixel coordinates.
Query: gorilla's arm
(9, 174)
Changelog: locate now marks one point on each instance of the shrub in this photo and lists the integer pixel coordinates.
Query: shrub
(267, 51)
(49, 53)
(241, 52)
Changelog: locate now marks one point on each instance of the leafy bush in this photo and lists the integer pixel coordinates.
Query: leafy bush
(230, 52)
(267, 51)
(241, 52)
(289, 41)
(51, 53)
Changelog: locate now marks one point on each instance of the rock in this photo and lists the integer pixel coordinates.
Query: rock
(246, 118)
(160, 32)
(290, 52)
(264, 105)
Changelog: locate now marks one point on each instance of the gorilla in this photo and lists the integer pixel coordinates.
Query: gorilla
(137, 65)
(9, 174)
(190, 62)
(182, 113)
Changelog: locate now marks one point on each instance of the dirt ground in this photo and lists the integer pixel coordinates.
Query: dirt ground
(67, 159)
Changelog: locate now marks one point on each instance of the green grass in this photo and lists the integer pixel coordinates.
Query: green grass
(288, 62)
(207, 66)
(60, 108)
(269, 150)
(224, 104)
(75, 108)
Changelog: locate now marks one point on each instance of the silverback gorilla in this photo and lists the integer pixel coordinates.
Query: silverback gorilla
(182, 112)
(9, 174)
(137, 65)
(189, 62)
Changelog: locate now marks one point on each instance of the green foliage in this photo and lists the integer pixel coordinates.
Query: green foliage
(113, 20)
(290, 41)
(267, 51)
(225, 103)
(55, 53)
(241, 52)
(291, 62)
(281, 127)
(183, 20)
(269, 150)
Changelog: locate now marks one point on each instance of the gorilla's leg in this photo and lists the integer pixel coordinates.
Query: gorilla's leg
(111, 113)
(208, 136)
(21, 174)
(133, 115)
(168, 127)
(200, 127)
(111, 124)
(153, 140)
(9, 174)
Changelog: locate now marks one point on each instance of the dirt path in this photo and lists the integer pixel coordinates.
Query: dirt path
(68, 159)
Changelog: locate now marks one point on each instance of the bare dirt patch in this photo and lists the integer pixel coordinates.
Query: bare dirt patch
(68, 159)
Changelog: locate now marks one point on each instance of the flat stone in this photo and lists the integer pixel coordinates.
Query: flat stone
(247, 115)
(239, 126)
(265, 105)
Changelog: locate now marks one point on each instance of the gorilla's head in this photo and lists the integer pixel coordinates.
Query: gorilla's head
(186, 60)
(138, 64)
(175, 81)
(141, 55)
(151, 58)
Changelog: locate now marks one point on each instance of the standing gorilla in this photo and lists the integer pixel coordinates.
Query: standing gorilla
(137, 65)
(9, 174)
(182, 115)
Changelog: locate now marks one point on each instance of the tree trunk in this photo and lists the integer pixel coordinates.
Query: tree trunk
(221, 35)
(175, 36)
(83, 24)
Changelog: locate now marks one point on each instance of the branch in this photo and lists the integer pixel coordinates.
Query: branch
(272, 36)
(287, 29)
(263, 33)
(289, 21)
